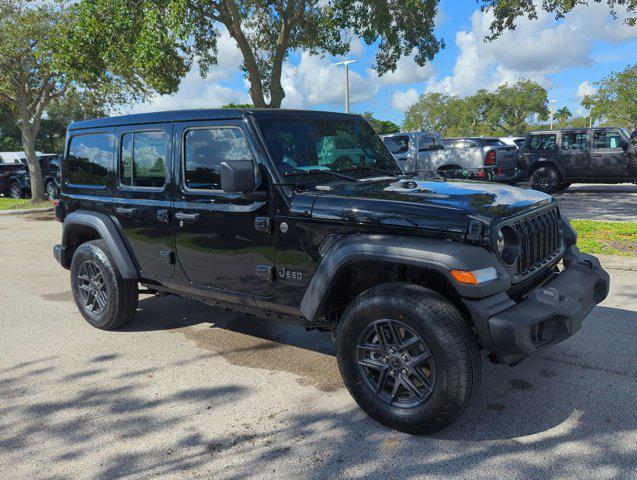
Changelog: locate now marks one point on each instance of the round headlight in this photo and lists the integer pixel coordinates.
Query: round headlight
(507, 244)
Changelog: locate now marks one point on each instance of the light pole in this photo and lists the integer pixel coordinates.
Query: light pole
(346, 63)
(552, 102)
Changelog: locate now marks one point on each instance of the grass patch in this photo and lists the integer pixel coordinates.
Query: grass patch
(606, 238)
(21, 204)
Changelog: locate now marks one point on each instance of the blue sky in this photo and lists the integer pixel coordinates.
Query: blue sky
(564, 56)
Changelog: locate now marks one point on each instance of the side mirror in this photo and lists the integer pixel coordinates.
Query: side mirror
(237, 176)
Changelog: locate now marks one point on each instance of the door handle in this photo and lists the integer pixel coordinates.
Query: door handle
(187, 217)
(126, 211)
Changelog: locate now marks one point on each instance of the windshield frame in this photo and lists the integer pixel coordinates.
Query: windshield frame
(304, 176)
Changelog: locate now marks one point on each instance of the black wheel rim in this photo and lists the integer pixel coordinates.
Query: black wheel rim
(542, 181)
(396, 363)
(92, 288)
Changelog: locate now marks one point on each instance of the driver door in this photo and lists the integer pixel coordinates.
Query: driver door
(222, 240)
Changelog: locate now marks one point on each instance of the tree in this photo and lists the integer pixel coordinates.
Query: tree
(504, 111)
(381, 127)
(506, 13)
(238, 105)
(563, 114)
(74, 106)
(151, 44)
(616, 98)
(435, 112)
(29, 81)
(9, 128)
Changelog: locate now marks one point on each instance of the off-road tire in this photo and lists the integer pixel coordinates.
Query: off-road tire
(15, 191)
(52, 191)
(546, 179)
(122, 295)
(451, 342)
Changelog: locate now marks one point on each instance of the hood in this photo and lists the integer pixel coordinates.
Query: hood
(434, 205)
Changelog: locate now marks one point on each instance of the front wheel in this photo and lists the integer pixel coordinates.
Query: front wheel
(104, 298)
(52, 191)
(407, 357)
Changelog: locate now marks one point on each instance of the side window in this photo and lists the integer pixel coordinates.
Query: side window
(607, 139)
(399, 144)
(543, 142)
(204, 151)
(574, 141)
(143, 159)
(90, 157)
(426, 143)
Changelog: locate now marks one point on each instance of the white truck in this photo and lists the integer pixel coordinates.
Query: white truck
(475, 157)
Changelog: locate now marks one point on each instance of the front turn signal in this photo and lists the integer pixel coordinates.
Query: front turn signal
(474, 277)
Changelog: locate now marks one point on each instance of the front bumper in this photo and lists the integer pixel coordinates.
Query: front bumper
(548, 314)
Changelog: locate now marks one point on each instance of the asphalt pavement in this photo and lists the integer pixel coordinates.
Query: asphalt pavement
(189, 391)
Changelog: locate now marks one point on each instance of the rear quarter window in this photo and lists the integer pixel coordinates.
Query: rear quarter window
(90, 158)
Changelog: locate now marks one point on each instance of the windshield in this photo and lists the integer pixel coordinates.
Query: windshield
(324, 145)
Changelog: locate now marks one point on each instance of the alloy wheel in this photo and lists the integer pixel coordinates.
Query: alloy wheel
(396, 363)
(92, 287)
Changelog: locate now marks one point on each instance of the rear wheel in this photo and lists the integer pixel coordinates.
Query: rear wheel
(407, 357)
(104, 298)
(546, 179)
(15, 191)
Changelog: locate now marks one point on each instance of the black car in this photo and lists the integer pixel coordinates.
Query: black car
(306, 216)
(20, 182)
(556, 158)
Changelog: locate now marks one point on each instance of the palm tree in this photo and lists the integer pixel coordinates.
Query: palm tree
(563, 114)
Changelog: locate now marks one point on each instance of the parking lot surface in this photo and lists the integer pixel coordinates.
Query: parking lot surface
(188, 391)
(600, 202)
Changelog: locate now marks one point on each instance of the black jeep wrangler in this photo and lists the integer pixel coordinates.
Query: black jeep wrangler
(555, 159)
(306, 216)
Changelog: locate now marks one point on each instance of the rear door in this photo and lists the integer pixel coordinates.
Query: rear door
(142, 203)
(574, 154)
(608, 155)
(222, 240)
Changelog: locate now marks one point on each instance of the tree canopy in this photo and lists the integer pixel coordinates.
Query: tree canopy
(504, 111)
(616, 98)
(506, 13)
(381, 127)
(149, 45)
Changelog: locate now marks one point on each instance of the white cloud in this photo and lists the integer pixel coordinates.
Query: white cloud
(534, 50)
(585, 88)
(407, 71)
(403, 100)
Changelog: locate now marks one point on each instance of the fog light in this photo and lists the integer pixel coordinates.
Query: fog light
(474, 277)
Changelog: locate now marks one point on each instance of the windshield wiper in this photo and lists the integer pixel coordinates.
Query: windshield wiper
(328, 172)
(370, 168)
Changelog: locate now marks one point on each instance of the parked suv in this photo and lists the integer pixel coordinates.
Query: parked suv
(556, 158)
(306, 216)
(50, 168)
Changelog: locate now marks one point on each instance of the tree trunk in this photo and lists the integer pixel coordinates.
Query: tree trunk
(35, 172)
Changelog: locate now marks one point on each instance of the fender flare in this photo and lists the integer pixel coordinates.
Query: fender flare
(108, 232)
(427, 253)
(546, 161)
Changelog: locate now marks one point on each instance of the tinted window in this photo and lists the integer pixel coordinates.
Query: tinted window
(205, 149)
(520, 142)
(607, 140)
(574, 141)
(90, 157)
(493, 142)
(397, 144)
(426, 143)
(321, 144)
(543, 142)
(143, 159)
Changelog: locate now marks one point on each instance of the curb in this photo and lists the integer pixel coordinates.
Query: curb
(25, 211)
(618, 262)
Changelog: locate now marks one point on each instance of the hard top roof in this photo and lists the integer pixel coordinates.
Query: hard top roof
(201, 114)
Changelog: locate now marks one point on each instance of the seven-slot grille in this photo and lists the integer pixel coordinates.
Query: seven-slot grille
(540, 239)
